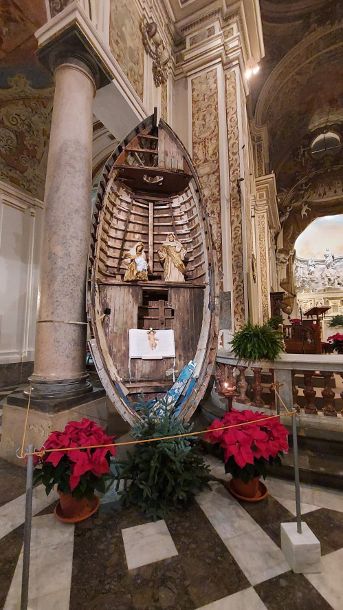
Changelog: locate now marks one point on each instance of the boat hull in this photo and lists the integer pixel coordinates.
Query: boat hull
(141, 203)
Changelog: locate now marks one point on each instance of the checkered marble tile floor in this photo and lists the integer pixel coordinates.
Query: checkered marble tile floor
(218, 554)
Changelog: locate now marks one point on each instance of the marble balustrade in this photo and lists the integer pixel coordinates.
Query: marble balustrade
(312, 384)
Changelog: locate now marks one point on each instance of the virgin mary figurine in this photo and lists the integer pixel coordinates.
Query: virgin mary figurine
(172, 254)
(138, 266)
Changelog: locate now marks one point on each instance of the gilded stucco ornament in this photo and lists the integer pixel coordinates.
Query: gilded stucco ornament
(156, 48)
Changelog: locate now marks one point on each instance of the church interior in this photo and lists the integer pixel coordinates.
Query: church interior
(171, 311)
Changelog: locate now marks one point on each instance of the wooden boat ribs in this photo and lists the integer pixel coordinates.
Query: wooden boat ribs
(149, 189)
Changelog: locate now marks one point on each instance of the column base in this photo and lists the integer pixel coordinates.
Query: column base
(42, 390)
(41, 423)
(48, 400)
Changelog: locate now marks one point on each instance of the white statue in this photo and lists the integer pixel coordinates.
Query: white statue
(172, 254)
(138, 267)
(311, 267)
(328, 258)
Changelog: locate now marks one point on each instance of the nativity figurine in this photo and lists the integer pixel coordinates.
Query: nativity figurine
(172, 255)
(137, 269)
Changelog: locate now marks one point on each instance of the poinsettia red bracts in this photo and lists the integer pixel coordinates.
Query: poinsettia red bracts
(265, 439)
(84, 433)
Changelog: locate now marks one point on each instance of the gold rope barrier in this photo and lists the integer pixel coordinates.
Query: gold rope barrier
(153, 440)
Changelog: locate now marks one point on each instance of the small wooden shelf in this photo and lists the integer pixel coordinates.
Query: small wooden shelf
(143, 150)
(147, 136)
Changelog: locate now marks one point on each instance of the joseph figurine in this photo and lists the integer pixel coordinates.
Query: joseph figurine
(172, 254)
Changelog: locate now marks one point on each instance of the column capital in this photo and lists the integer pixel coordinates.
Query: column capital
(266, 199)
(70, 38)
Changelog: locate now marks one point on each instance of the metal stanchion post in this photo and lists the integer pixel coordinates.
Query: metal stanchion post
(27, 532)
(296, 473)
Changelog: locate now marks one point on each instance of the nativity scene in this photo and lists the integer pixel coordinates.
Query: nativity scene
(153, 280)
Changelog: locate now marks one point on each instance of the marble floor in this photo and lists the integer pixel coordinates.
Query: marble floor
(218, 554)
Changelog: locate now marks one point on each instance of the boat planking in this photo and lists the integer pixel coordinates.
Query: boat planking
(149, 190)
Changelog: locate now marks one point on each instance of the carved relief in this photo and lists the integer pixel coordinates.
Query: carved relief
(202, 35)
(316, 275)
(156, 48)
(205, 132)
(164, 101)
(235, 202)
(261, 223)
(25, 115)
(56, 6)
(126, 41)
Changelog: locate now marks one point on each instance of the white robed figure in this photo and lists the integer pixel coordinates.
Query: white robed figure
(172, 254)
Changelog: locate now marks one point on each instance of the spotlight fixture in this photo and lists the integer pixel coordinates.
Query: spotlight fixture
(252, 71)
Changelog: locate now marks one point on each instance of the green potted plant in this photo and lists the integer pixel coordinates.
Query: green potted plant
(254, 342)
(161, 475)
(248, 449)
(77, 472)
(275, 322)
(336, 321)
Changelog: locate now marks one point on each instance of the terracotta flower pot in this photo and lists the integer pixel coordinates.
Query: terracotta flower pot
(72, 510)
(253, 491)
(248, 490)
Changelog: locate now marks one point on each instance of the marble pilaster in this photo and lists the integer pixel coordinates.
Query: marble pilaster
(266, 225)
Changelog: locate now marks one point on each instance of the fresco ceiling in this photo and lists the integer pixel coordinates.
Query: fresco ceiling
(26, 93)
(298, 92)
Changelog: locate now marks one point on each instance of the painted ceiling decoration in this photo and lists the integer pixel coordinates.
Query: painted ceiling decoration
(296, 101)
(19, 19)
(25, 115)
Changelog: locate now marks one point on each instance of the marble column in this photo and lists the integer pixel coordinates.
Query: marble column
(59, 370)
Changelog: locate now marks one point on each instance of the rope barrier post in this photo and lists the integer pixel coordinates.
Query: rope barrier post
(296, 472)
(27, 532)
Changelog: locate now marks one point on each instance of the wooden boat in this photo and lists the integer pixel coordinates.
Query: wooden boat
(149, 190)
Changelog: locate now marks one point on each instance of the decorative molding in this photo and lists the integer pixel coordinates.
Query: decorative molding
(156, 49)
(263, 264)
(9, 195)
(74, 17)
(238, 280)
(266, 197)
(205, 148)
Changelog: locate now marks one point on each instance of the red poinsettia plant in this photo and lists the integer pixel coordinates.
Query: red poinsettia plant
(80, 471)
(251, 447)
(337, 342)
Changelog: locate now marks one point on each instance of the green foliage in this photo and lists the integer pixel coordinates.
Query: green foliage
(254, 342)
(274, 322)
(162, 475)
(336, 321)
(250, 471)
(50, 475)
